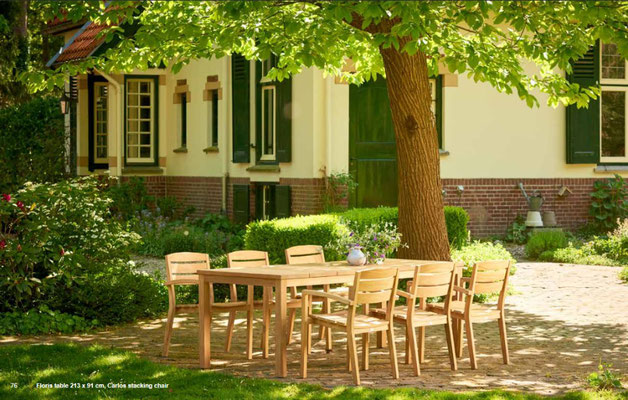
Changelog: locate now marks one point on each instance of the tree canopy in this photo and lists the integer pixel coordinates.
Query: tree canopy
(489, 41)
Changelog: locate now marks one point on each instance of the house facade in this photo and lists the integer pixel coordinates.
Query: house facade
(221, 137)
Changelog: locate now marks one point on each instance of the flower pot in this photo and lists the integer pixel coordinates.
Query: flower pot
(549, 218)
(356, 257)
(534, 219)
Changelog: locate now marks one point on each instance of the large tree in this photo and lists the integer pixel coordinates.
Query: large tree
(406, 42)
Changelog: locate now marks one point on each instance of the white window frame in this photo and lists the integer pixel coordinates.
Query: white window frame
(96, 121)
(151, 157)
(269, 157)
(614, 85)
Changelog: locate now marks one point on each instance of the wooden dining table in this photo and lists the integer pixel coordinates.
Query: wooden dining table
(280, 277)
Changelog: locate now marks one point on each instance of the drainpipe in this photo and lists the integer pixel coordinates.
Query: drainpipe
(227, 96)
(328, 127)
(120, 114)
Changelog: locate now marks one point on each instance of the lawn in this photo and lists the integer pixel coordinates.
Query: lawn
(92, 366)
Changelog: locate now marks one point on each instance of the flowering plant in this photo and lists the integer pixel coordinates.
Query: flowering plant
(376, 241)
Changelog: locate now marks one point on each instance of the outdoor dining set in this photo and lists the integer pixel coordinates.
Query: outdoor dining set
(358, 300)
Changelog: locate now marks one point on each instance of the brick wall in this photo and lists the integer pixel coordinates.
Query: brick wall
(491, 203)
(494, 203)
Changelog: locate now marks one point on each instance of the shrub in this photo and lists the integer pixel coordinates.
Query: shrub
(482, 251)
(190, 238)
(623, 275)
(33, 143)
(543, 241)
(337, 189)
(55, 235)
(276, 235)
(42, 321)
(517, 231)
(610, 202)
(584, 255)
(456, 219)
(604, 378)
(130, 198)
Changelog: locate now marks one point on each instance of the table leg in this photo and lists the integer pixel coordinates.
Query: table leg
(281, 326)
(266, 311)
(204, 322)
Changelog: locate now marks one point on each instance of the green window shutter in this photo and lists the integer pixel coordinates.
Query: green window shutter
(241, 207)
(583, 124)
(284, 120)
(283, 201)
(241, 114)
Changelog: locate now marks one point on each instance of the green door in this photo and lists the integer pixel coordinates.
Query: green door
(372, 151)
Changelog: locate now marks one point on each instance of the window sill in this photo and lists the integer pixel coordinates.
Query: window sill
(443, 152)
(142, 170)
(264, 168)
(211, 149)
(610, 168)
(180, 150)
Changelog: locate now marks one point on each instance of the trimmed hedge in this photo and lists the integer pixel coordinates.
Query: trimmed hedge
(276, 235)
(456, 219)
(542, 241)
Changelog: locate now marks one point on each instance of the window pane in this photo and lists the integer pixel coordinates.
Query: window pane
(145, 139)
(145, 126)
(132, 139)
(132, 100)
(132, 152)
(144, 152)
(139, 118)
(133, 126)
(613, 124)
(144, 87)
(145, 112)
(132, 113)
(613, 64)
(145, 100)
(132, 87)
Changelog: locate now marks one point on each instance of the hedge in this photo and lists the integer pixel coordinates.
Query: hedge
(456, 219)
(276, 235)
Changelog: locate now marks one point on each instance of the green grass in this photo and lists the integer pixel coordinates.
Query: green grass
(71, 363)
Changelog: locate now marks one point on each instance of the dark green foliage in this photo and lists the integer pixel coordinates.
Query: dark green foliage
(609, 202)
(191, 238)
(130, 198)
(517, 231)
(542, 241)
(275, 236)
(32, 138)
(42, 321)
(456, 219)
(338, 188)
(623, 275)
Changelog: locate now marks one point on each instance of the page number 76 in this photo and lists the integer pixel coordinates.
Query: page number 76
(13, 385)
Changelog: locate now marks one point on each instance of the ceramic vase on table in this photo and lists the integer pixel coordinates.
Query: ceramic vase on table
(356, 257)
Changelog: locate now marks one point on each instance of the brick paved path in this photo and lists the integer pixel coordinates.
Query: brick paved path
(561, 321)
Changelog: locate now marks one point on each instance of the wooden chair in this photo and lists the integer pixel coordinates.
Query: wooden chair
(430, 280)
(244, 259)
(370, 286)
(486, 277)
(181, 269)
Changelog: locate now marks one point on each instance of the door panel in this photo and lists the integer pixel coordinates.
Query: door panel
(372, 150)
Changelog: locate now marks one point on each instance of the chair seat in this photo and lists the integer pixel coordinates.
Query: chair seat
(479, 312)
(362, 323)
(421, 317)
(339, 291)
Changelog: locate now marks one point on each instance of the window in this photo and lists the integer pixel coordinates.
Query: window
(141, 120)
(184, 120)
(268, 112)
(613, 105)
(100, 121)
(212, 122)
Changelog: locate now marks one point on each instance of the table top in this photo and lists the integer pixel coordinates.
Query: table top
(317, 270)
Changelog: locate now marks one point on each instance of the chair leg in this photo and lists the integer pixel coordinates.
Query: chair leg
(306, 332)
(381, 336)
(292, 315)
(168, 334)
(230, 325)
(353, 358)
(393, 352)
(408, 355)
(504, 339)
(412, 349)
(266, 309)
(458, 336)
(365, 351)
(172, 310)
(451, 348)
(421, 344)
(471, 344)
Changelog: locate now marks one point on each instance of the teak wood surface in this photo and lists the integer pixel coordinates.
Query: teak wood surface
(281, 277)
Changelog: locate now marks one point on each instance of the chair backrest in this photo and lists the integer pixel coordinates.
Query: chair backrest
(433, 280)
(490, 277)
(307, 254)
(183, 266)
(374, 286)
(247, 258)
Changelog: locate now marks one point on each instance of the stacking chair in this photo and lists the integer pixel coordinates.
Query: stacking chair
(486, 277)
(244, 259)
(370, 286)
(430, 280)
(181, 269)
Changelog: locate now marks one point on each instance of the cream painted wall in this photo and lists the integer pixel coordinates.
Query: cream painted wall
(487, 134)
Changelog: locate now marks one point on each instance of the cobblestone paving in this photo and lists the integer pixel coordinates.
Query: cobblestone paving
(562, 320)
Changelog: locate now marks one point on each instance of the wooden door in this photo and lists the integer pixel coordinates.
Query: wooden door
(372, 151)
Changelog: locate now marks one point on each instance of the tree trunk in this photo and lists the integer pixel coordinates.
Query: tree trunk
(421, 216)
(21, 33)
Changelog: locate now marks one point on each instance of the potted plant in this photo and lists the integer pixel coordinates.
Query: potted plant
(369, 246)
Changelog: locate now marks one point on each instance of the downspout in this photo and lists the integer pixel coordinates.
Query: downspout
(328, 127)
(120, 112)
